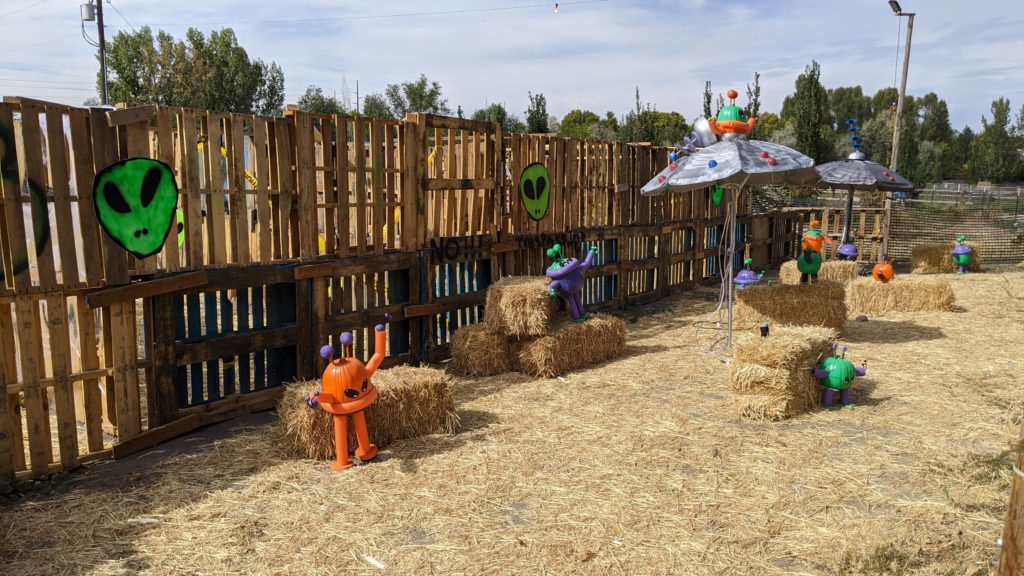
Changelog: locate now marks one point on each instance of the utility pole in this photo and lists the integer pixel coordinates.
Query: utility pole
(357, 97)
(103, 51)
(903, 93)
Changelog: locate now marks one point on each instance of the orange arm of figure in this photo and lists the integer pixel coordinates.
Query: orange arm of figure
(326, 398)
(380, 346)
(715, 129)
(751, 122)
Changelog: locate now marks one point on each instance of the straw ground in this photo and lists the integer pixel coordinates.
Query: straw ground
(639, 466)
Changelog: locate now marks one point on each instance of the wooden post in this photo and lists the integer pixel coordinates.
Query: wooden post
(1011, 560)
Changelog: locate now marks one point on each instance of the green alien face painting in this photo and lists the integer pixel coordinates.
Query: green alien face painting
(135, 203)
(535, 190)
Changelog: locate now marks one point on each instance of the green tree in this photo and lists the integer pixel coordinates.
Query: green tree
(808, 109)
(993, 155)
(935, 119)
(884, 99)
(577, 123)
(537, 115)
(212, 73)
(422, 95)
(959, 153)
(753, 107)
(707, 98)
(848, 102)
(376, 106)
(767, 124)
(496, 114)
(315, 101)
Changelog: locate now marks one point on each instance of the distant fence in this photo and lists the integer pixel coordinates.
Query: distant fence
(293, 230)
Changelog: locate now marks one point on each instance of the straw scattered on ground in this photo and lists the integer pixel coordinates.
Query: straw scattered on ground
(936, 258)
(519, 306)
(818, 304)
(478, 351)
(904, 293)
(570, 345)
(839, 271)
(636, 466)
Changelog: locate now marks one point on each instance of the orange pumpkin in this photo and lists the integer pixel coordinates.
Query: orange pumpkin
(347, 380)
(883, 272)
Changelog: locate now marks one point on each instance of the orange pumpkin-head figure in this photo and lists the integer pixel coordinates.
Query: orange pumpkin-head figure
(813, 239)
(883, 271)
(347, 392)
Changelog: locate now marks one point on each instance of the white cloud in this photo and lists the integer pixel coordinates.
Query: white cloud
(589, 56)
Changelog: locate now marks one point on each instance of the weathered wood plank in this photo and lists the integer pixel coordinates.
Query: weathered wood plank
(147, 289)
(133, 115)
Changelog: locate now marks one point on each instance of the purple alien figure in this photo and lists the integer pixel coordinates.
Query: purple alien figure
(567, 279)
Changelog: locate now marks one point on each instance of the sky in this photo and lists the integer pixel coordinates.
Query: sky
(590, 54)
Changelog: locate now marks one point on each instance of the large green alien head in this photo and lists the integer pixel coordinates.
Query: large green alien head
(135, 201)
(732, 112)
(535, 190)
(840, 372)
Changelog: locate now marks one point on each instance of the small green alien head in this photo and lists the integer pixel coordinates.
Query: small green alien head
(748, 262)
(962, 239)
(555, 253)
(135, 203)
(716, 194)
(535, 190)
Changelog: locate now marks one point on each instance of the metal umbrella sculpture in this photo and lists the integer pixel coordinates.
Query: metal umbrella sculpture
(719, 153)
(858, 173)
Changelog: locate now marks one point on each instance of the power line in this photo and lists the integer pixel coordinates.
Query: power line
(382, 16)
(51, 41)
(122, 16)
(23, 9)
(41, 83)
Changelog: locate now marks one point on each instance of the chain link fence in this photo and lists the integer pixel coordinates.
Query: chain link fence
(990, 217)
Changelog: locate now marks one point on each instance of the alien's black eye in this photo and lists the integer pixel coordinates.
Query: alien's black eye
(351, 393)
(112, 194)
(366, 383)
(528, 190)
(150, 183)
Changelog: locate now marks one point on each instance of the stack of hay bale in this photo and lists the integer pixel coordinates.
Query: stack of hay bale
(936, 258)
(838, 271)
(411, 402)
(520, 333)
(818, 304)
(771, 377)
(901, 294)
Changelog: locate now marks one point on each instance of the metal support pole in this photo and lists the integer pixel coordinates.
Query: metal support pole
(848, 219)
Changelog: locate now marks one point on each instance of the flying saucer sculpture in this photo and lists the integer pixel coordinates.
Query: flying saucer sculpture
(858, 173)
(733, 161)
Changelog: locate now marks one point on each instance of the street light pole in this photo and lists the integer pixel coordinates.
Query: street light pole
(903, 90)
(887, 214)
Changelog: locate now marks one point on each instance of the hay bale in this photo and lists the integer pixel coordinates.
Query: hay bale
(569, 346)
(936, 258)
(519, 306)
(820, 304)
(411, 402)
(906, 293)
(839, 271)
(786, 347)
(306, 433)
(478, 351)
(771, 377)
